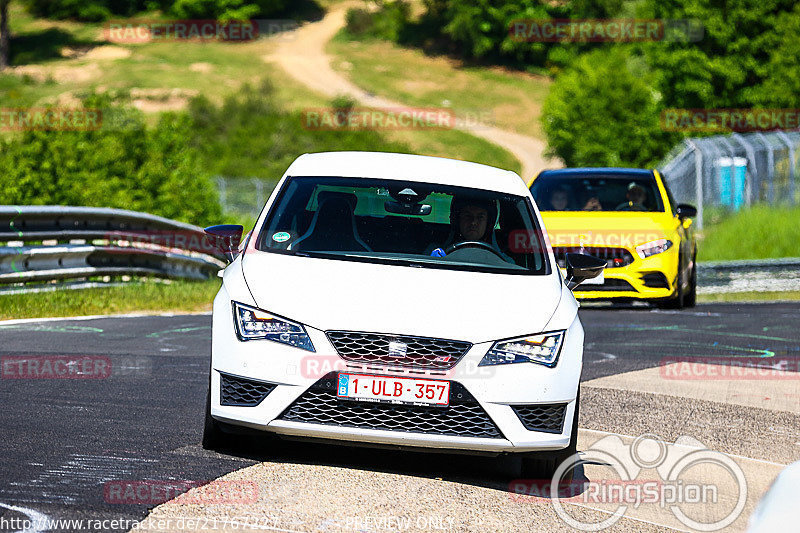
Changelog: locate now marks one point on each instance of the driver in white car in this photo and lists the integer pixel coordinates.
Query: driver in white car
(471, 220)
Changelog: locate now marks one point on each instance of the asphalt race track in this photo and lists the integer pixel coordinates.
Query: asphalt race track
(63, 440)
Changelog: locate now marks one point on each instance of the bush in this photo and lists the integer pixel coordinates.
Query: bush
(123, 164)
(387, 23)
(602, 113)
(343, 105)
(96, 10)
(359, 21)
(249, 136)
(89, 10)
(227, 9)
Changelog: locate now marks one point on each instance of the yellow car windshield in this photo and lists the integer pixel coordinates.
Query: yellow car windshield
(597, 192)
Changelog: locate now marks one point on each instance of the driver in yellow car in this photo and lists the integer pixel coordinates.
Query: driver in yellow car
(636, 197)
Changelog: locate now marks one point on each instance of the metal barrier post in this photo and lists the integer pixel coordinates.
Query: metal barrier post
(698, 180)
(785, 138)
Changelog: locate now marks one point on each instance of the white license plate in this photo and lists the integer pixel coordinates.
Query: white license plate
(393, 390)
(599, 280)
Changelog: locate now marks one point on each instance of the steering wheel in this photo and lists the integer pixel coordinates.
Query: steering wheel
(473, 244)
(627, 206)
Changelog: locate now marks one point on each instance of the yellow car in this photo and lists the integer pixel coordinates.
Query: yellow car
(629, 218)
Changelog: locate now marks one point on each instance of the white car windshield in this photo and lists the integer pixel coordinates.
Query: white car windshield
(405, 222)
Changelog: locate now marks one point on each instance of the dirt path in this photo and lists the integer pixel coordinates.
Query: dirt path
(304, 58)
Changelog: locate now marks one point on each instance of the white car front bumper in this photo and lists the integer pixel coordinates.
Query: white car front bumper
(494, 389)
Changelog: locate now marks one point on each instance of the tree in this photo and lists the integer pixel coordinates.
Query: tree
(603, 112)
(745, 56)
(5, 38)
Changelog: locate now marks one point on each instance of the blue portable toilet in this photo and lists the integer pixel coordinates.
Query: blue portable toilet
(732, 175)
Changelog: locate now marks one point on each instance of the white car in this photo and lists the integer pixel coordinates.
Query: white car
(394, 299)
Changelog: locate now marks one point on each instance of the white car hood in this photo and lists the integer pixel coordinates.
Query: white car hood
(330, 294)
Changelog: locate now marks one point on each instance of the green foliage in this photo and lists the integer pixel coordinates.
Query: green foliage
(781, 85)
(226, 9)
(43, 45)
(123, 164)
(343, 104)
(602, 112)
(388, 22)
(89, 10)
(97, 10)
(481, 29)
(746, 57)
(743, 58)
(249, 136)
(757, 233)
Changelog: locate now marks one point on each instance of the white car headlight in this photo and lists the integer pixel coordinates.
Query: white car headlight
(253, 323)
(542, 349)
(653, 247)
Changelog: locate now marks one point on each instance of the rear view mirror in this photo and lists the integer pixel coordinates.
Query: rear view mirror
(225, 238)
(686, 211)
(407, 209)
(581, 267)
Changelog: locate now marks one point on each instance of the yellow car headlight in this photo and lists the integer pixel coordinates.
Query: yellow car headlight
(653, 247)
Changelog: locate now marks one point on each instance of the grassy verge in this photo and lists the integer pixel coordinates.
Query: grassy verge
(757, 233)
(188, 296)
(162, 76)
(745, 297)
(513, 99)
(185, 296)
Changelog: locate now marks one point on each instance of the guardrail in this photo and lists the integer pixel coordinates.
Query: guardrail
(760, 275)
(46, 243)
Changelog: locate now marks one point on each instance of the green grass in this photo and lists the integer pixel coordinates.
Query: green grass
(745, 297)
(757, 233)
(214, 69)
(513, 99)
(184, 296)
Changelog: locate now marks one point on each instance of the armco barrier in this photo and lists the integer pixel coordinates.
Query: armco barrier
(45, 243)
(751, 275)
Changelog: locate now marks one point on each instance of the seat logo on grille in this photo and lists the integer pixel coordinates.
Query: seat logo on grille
(397, 349)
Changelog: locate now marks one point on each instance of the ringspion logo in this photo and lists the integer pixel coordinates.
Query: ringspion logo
(671, 479)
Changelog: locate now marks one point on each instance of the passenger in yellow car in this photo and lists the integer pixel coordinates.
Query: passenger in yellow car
(559, 200)
(593, 204)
